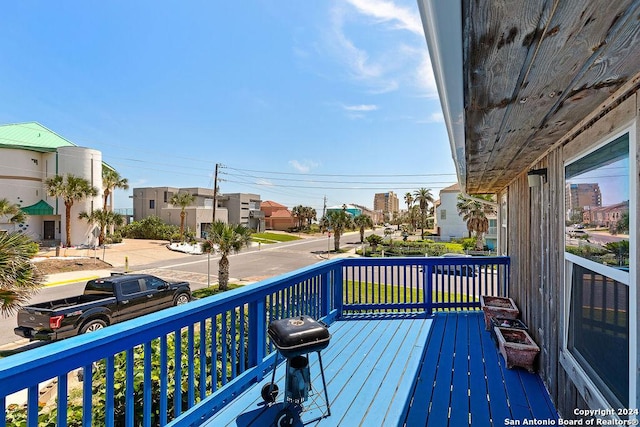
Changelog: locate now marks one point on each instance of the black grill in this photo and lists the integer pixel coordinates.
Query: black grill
(295, 338)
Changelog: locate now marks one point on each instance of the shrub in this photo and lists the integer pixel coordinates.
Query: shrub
(113, 238)
(374, 240)
(211, 290)
(468, 243)
(151, 227)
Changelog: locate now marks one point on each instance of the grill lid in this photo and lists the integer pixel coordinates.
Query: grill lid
(297, 335)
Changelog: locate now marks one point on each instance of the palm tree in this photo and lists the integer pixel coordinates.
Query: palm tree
(19, 278)
(338, 221)
(303, 215)
(102, 219)
(110, 181)
(423, 196)
(183, 200)
(71, 189)
(475, 213)
(227, 238)
(298, 213)
(363, 221)
(13, 211)
(408, 199)
(414, 217)
(309, 215)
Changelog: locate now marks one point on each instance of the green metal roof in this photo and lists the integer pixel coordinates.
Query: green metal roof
(40, 208)
(31, 136)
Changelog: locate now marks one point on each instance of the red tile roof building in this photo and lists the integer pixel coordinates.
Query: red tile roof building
(277, 216)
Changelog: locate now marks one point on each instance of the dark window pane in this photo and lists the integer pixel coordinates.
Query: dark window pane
(131, 287)
(599, 331)
(153, 282)
(98, 287)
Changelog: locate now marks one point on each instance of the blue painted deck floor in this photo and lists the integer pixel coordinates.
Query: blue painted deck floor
(442, 371)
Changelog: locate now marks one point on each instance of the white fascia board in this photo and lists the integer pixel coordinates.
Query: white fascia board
(442, 22)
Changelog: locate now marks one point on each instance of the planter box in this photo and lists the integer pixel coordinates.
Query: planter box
(502, 307)
(517, 347)
(505, 323)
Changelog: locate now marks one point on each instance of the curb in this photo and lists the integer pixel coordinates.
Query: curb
(66, 282)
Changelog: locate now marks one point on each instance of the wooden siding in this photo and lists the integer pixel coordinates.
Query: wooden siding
(535, 243)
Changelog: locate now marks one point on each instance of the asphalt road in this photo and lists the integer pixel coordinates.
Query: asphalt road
(250, 265)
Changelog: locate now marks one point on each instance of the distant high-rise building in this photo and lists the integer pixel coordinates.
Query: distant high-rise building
(581, 196)
(387, 203)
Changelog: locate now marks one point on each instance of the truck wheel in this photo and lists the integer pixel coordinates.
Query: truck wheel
(93, 325)
(181, 299)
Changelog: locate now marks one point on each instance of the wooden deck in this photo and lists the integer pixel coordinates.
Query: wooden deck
(388, 371)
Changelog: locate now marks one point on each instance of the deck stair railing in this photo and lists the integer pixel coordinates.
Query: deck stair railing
(179, 365)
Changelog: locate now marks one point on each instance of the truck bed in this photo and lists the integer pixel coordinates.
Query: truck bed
(65, 303)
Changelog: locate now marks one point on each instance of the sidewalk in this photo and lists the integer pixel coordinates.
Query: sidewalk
(128, 255)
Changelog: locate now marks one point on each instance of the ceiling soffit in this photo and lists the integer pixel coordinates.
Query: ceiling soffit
(533, 70)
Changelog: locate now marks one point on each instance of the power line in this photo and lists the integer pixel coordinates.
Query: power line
(342, 175)
(385, 188)
(411, 183)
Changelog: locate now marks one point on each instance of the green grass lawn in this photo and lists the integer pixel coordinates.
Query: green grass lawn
(374, 293)
(273, 237)
(211, 290)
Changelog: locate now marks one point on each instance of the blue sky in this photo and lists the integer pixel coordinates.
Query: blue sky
(298, 100)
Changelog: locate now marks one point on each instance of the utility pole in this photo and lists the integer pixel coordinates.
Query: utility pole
(324, 207)
(215, 193)
(213, 220)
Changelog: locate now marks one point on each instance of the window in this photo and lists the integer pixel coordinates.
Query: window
(493, 227)
(130, 287)
(153, 282)
(599, 331)
(597, 205)
(597, 257)
(152, 204)
(98, 287)
(443, 214)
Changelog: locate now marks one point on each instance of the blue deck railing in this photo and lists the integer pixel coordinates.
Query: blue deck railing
(181, 364)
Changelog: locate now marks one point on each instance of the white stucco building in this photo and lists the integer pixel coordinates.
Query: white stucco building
(450, 224)
(29, 155)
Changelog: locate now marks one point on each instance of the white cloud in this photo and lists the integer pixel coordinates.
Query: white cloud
(264, 182)
(381, 45)
(357, 60)
(436, 117)
(304, 165)
(386, 11)
(361, 107)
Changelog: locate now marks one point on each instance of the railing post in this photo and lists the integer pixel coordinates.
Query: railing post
(337, 286)
(427, 289)
(257, 333)
(325, 294)
(507, 274)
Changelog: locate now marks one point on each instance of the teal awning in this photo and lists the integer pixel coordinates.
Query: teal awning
(40, 208)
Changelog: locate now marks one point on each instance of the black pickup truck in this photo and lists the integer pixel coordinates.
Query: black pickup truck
(104, 302)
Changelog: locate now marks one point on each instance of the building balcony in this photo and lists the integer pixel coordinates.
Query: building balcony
(408, 347)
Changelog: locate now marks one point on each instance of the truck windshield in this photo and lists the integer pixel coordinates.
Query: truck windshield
(98, 287)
